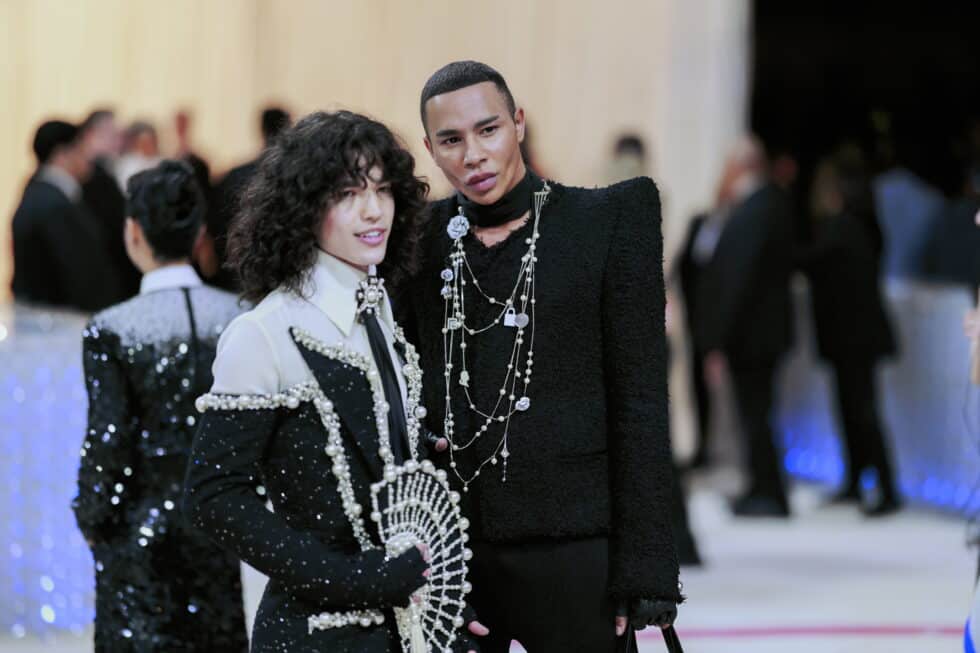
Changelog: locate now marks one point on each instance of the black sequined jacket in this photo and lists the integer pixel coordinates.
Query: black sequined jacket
(159, 586)
(592, 455)
(306, 544)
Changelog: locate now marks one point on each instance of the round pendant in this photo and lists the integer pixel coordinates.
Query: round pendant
(522, 320)
(458, 227)
(523, 404)
(447, 275)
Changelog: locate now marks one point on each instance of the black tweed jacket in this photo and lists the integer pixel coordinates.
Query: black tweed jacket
(592, 455)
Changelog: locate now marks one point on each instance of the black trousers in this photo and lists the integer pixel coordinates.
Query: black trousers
(858, 415)
(754, 397)
(702, 404)
(549, 596)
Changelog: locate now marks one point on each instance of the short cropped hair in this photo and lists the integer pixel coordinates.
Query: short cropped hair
(460, 74)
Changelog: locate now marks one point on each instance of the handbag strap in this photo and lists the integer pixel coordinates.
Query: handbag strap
(672, 640)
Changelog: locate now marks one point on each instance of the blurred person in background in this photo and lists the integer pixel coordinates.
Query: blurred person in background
(225, 198)
(629, 159)
(907, 207)
(60, 253)
(102, 143)
(852, 328)
(971, 327)
(183, 121)
(159, 586)
(745, 316)
(953, 249)
(141, 151)
(696, 251)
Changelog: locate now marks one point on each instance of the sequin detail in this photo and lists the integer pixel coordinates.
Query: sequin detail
(159, 584)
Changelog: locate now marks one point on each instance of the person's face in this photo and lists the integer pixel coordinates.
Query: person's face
(356, 225)
(76, 162)
(104, 139)
(475, 141)
(146, 144)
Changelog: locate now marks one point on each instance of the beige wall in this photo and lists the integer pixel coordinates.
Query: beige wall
(673, 70)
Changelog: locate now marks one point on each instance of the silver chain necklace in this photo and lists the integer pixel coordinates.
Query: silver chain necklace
(517, 312)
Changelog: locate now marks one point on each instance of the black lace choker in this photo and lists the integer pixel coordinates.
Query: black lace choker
(515, 203)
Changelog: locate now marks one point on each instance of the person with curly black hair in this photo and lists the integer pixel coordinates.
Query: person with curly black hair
(316, 391)
(159, 585)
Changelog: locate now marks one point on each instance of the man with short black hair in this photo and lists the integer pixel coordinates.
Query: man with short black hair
(101, 140)
(539, 312)
(60, 255)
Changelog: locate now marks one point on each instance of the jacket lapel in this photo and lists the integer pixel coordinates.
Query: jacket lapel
(353, 401)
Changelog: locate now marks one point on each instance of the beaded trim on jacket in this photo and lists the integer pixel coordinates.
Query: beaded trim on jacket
(292, 397)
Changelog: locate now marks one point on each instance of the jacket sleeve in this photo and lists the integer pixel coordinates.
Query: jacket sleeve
(220, 500)
(105, 474)
(643, 559)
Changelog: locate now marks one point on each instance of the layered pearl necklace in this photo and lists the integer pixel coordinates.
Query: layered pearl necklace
(515, 312)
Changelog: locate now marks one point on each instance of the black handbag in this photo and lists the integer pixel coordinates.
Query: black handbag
(628, 641)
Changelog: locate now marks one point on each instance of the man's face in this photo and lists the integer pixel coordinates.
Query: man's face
(76, 161)
(104, 139)
(475, 141)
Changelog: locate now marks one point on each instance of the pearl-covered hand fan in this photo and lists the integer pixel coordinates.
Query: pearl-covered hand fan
(414, 506)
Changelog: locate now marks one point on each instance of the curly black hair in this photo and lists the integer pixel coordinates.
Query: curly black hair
(272, 242)
(169, 205)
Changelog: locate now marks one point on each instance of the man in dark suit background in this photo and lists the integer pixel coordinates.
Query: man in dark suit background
(687, 271)
(60, 255)
(745, 314)
(101, 142)
(226, 195)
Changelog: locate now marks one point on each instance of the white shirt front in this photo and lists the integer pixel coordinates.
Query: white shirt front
(257, 355)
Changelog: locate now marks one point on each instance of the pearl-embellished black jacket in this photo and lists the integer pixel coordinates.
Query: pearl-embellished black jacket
(592, 454)
(305, 544)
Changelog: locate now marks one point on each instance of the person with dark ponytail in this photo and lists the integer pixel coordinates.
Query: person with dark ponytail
(159, 586)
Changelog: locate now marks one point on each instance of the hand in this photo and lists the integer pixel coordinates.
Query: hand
(435, 442)
(715, 366)
(426, 557)
(645, 612)
(465, 643)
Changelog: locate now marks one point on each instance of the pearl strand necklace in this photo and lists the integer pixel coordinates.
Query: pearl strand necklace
(510, 397)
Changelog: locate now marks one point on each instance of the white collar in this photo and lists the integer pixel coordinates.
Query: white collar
(60, 179)
(180, 275)
(334, 291)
